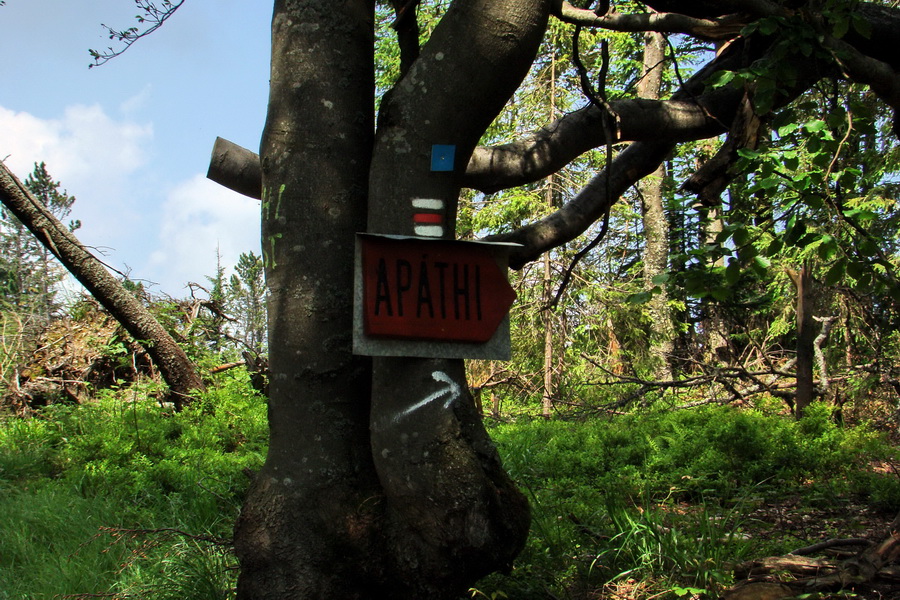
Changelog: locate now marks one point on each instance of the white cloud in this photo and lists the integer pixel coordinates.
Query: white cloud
(199, 215)
(83, 147)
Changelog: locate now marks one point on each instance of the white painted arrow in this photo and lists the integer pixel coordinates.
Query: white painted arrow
(451, 391)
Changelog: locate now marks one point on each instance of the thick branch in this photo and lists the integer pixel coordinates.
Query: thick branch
(551, 148)
(718, 28)
(236, 168)
(877, 74)
(545, 151)
(631, 165)
(717, 8)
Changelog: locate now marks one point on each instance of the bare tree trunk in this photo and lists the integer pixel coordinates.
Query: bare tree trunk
(173, 364)
(547, 312)
(547, 321)
(656, 226)
(311, 524)
(806, 336)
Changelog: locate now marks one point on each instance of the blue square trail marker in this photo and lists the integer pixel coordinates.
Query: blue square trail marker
(442, 156)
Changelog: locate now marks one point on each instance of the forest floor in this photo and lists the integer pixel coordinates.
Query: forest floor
(795, 518)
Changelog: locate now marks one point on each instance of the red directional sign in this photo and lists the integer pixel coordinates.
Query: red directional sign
(437, 290)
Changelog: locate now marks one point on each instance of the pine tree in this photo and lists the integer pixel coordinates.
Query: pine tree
(29, 273)
(247, 301)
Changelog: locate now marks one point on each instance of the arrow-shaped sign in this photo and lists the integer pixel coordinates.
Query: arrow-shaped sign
(436, 290)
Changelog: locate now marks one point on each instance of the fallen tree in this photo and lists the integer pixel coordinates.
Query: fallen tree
(175, 367)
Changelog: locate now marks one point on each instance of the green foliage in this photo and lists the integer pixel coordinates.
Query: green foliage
(664, 497)
(104, 488)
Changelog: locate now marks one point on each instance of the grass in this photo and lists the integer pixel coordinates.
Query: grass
(119, 498)
(660, 503)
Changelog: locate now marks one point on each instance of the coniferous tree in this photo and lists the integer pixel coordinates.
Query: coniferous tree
(246, 298)
(30, 274)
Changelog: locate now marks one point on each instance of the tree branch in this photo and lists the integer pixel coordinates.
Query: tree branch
(877, 74)
(153, 15)
(632, 164)
(718, 28)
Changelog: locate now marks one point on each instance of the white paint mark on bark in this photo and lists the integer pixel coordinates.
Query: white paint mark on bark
(428, 204)
(450, 393)
(429, 230)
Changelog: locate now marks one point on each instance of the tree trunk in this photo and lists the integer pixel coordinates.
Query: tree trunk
(806, 336)
(311, 526)
(656, 226)
(453, 513)
(414, 503)
(173, 364)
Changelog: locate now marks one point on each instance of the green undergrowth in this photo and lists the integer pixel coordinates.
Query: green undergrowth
(124, 498)
(121, 498)
(659, 504)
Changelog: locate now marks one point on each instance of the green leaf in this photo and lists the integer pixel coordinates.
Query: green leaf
(732, 273)
(768, 26)
(867, 247)
(787, 129)
(660, 279)
(827, 247)
(816, 125)
(721, 78)
(720, 293)
(775, 247)
(795, 230)
(836, 272)
(840, 28)
(861, 25)
(760, 265)
(639, 298)
(814, 201)
(860, 214)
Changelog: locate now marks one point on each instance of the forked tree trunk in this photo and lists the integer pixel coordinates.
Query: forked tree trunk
(173, 364)
(413, 504)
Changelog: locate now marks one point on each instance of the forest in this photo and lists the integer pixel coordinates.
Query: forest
(704, 384)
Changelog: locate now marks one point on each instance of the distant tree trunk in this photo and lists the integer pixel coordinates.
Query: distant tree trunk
(656, 226)
(547, 321)
(547, 290)
(716, 348)
(174, 365)
(806, 336)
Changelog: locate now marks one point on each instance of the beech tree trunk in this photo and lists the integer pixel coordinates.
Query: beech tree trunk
(173, 364)
(369, 490)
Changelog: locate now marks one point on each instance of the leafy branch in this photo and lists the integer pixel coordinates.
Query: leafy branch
(152, 19)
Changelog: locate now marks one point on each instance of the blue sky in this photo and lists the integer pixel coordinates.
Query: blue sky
(131, 139)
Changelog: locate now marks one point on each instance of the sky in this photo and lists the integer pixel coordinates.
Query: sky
(131, 139)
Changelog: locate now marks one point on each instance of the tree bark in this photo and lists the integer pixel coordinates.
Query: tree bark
(453, 513)
(656, 225)
(311, 526)
(806, 336)
(175, 367)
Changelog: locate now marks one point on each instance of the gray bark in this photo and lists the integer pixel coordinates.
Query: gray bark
(656, 225)
(310, 527)
(445, 489)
